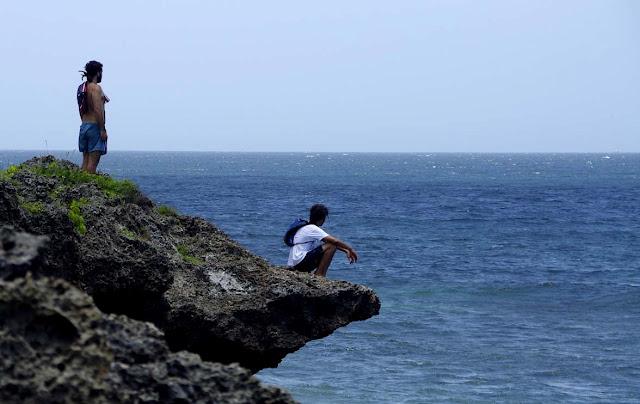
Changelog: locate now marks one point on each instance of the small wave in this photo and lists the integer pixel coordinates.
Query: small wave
(580, 389)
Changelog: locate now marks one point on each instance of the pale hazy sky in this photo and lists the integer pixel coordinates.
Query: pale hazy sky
(363, 75)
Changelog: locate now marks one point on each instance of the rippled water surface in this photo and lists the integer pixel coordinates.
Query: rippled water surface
(509, 278)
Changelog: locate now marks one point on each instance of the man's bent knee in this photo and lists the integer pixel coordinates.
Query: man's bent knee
(329, 248)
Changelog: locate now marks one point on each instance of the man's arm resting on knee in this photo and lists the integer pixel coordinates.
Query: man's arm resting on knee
(342, 246)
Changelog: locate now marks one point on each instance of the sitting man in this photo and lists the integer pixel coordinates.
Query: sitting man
(313, 248)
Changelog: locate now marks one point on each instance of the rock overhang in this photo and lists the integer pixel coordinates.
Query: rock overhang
(207, 293)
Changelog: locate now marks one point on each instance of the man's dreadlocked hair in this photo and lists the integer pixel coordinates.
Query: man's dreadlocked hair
(91, 69)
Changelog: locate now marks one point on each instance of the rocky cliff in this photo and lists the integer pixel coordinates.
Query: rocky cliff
(206, 293)
(57, 347)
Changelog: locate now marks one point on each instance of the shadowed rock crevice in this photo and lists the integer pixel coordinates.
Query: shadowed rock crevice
(208, 294)
(44, 329)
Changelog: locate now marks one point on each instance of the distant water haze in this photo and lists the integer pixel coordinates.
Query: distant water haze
(453, 76)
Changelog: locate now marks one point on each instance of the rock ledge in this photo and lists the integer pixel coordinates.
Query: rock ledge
(206, 293)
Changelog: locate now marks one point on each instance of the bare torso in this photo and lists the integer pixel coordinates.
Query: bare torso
(93, 112)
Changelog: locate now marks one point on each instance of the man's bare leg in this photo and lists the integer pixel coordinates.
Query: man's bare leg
(85, 161)
(329, 251)
(92, 164)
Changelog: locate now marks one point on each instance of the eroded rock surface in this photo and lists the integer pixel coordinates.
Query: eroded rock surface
(207, 293)
(57, 347)
(19, 253)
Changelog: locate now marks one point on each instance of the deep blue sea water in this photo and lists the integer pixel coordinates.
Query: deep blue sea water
(503, 277)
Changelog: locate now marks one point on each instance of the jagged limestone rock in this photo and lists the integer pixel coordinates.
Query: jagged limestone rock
(206, 292)
(19, 253)
(57, 347)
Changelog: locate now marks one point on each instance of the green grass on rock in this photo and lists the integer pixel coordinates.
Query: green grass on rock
(165, 210)
(128, 234)
(184, 253)
(33, 208)
(76, 216)
(73, 176)
(7, 175)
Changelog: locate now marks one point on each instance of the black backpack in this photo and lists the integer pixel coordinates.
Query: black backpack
(81, 96)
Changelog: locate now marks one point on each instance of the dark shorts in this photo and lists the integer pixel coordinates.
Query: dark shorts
(89, 139)
(310, 261)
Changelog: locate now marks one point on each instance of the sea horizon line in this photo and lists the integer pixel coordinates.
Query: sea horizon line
(58, 151)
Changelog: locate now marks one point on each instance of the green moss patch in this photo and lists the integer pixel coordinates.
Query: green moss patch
(6, 175)
(11, 170)
(128, 234)
(165, 210)
(73, 176)
(184, 252)
(33, 208)
(75, 215)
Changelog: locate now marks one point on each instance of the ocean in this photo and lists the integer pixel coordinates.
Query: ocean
(503, 277)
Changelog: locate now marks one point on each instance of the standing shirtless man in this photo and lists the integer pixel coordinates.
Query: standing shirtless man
(92, 141)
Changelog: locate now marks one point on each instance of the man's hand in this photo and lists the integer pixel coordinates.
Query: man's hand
(352, 256)
(103, 135)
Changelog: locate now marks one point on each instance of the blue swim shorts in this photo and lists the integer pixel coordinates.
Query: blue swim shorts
(89, 139)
